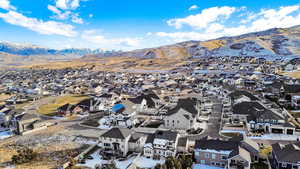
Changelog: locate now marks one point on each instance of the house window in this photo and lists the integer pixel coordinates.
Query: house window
(106, 145)
(224, 157)
(283, 165)
(202, 161)
(206, 155)
(213, 156)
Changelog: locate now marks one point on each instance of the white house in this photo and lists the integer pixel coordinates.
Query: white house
(183, 116)
(161, 144)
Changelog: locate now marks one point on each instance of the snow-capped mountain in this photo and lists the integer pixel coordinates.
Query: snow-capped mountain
(273, 43)
(29, 49)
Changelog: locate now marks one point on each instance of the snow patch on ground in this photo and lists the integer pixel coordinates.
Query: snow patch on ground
(283, 137)
(202, 166)
(124, 164)
(5, 134)
(144, 162)
(97, 159)
(103, 124)
(233, 131)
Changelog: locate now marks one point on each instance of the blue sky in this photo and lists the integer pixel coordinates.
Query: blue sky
(134, 24)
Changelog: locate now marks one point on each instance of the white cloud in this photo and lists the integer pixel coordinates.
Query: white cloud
(5, 4)
(64, 15)
(77, 19)
(91, 15)
(193, 7)
(68, 4)
(58, 13)
(204, 18)
(212, 27)
(94, 37)
(40, 26)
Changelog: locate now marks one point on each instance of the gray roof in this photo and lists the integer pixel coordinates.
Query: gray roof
(287, 153)
(219, 145)
(162, 134)
(254, 110)
(118, 133)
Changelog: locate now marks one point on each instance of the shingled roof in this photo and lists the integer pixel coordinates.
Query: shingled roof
(239, 93)
(254, 110)
(218, 145)
(187, 104)
(118, 133)
(287, 153)
(148, 97)
(162, 134)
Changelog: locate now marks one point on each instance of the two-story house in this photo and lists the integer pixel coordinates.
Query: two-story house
(219, 153)
(183, 116)
(162, 143)
(115, 141)
(286, 156)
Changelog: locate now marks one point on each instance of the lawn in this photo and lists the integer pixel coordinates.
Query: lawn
(50, 109)
(265, 151)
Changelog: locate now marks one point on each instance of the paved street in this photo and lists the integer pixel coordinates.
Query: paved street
(213, 124)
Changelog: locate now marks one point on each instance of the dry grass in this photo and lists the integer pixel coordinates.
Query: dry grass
(212, 44)
(118, 63)
(264, 152)
(48, 156)
(295, 74)
(50, 153)
(50, 109)
(3, 97)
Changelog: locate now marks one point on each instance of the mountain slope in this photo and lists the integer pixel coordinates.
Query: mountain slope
(13, 53)
(273, 43)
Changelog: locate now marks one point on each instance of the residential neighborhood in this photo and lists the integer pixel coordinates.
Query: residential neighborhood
(235, 118)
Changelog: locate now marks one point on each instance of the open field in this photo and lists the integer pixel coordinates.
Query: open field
(50, 108)
(111, 64)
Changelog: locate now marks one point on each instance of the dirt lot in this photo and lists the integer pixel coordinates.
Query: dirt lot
(53, 148)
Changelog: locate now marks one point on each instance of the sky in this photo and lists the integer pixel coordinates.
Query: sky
(134, 24)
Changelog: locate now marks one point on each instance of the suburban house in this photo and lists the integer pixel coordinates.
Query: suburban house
(259, 118)
(115, 141)
(183, 115)
(257, 115)
(286, 156)
(146, 103)
(162, 143)
(219, 153)
(121, 141)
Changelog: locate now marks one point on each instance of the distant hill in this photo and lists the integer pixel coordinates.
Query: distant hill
(273, 43)
(13, 53)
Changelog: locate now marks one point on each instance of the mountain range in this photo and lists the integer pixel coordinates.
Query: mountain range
(272, 43)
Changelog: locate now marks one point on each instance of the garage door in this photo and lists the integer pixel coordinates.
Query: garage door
(279, 131)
